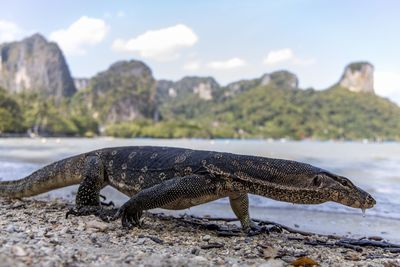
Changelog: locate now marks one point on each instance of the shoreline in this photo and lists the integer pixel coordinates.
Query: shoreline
(36, 232)
(261, 139)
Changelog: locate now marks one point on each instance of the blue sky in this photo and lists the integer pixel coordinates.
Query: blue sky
(229, 40)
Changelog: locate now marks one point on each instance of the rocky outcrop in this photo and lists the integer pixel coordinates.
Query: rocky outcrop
(358, 77)
(35, 65)
(124, 92)
(281, 79)
(81, 83)
(204, 88)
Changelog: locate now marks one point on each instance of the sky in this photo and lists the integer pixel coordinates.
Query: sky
(229, 40)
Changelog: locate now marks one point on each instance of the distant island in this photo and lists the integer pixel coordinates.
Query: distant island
(39, 97)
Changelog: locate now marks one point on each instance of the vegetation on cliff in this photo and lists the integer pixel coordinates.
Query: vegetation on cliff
(272, 112)
(43, 115)
(126, 101)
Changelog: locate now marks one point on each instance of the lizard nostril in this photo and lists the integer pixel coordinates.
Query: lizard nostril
(370, 199)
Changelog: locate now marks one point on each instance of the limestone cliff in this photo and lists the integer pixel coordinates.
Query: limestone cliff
(35, 65)
(204, 88)
(81, 83)
(281, 79)
(124, 92)
(358, 77)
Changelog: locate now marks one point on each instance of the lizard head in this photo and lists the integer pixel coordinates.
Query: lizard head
(341, 190)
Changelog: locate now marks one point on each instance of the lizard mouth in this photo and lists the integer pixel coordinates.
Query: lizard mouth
(367, 203)
(362, 201)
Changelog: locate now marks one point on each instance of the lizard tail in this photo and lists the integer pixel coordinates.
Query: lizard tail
(56, 175)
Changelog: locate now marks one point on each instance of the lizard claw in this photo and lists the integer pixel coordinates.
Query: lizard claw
(130, 216)
(108, 204)
(71, 211)
(256, 229)
(260, 231)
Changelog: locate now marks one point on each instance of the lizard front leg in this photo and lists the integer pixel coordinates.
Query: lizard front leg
(179, 188)
(88, 197)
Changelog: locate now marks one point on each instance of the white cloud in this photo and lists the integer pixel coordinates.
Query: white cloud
(162, 44)
(278, 56)
(9, 31)
(286, 55)
(387, 84)
(227, 64)
(193, 65)
(83, 33)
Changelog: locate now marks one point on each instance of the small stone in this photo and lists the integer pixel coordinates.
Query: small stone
(18, 251)
(195, 251)
(375, 238)
(102, 227)
(200, 258)
(353, 256)
(11, 228)
(139, 255)
(269, 253)
(273, 263)
(219, 261)
(288, 258)
(206, 238)
(81, 227)
(65, 230)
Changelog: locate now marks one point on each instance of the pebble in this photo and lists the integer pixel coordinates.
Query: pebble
(195, 251)
(81, 227)
(200, 258)
(11, 228)
(273, 263)
(375, 238)
(18, 251)
(65, 230)
(102, 227)
(353, 256)
(206, 238)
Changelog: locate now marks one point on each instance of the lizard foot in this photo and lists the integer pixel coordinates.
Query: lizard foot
(256, 229)
(129, 215)
(106, 204)
(106, 215)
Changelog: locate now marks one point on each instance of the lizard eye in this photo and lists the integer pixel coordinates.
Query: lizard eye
(317, 181)
(345, 183)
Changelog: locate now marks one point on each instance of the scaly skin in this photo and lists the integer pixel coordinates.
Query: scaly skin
(176, 178)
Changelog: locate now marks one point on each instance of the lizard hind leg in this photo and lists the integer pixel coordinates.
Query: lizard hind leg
(240, 206)
(88, 197)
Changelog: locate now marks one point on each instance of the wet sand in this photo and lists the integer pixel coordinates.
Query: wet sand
(36, 233)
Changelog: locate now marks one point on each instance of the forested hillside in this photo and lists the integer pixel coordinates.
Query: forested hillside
(125, 100)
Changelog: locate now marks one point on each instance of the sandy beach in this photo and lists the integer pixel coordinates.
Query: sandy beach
(36, 233)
